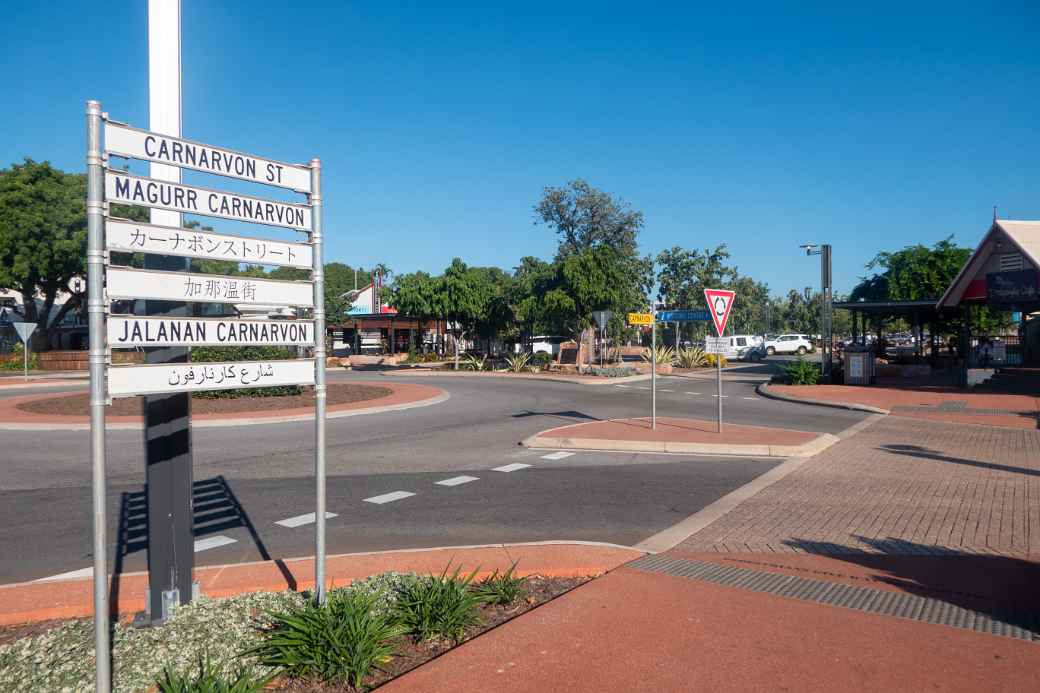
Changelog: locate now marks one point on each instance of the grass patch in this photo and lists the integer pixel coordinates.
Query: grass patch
(501, 589)
(431, 607)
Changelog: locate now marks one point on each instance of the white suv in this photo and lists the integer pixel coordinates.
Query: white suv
(789, 344)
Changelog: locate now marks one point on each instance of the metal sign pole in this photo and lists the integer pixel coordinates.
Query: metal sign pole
(319, 382)
(653, 372)
(96, 312)
(718, 387)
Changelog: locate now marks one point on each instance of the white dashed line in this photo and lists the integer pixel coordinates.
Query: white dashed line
(213, 542)
(389, 497)
(624, 386)
(723, 397)
(749, 397)
(660, 389)
(457, 480)
(641, 388)
(301, 520)
(557, 455)
(71, 575)
(511, 467)
(693, 393)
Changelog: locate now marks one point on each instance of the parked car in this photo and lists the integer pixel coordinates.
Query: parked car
(549, 344)
(789, 344)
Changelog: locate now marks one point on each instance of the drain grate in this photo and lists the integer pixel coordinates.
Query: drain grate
(1018, 625)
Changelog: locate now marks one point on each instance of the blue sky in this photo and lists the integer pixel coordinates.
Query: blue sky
(438, 124)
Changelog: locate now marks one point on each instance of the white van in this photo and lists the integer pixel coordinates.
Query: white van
(550, 344)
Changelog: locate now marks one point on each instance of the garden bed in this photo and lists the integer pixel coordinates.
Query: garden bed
(79, 404)
(396, 623)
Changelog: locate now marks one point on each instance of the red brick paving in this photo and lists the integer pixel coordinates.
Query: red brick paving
(674, 430)
(632, 630)
(899, 486)
(1024, 410)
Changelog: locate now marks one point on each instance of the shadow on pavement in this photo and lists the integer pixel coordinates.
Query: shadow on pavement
(926, 453)
(558, 415)
(1003, 587)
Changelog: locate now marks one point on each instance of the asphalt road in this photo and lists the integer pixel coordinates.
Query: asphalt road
(250, 478)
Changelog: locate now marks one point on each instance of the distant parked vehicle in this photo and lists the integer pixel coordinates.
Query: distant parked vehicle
(789, 344)
(549, 344)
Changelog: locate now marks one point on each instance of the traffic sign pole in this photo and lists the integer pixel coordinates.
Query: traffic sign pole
(720, 302)
(718, 389)
(96, 325)
(319, 382)
(653, 374)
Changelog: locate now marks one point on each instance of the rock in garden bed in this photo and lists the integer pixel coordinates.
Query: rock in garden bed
(78, 404)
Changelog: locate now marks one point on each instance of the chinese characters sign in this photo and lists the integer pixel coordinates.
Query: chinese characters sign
(130, 237)
(129, 381)
(126, 283)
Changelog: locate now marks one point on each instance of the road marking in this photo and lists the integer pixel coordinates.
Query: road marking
(624, 386)
(693, 393)
(510, 467)
(638, 387)
(71, 575)
(389, 497)
(749, 397)
(723, 397)
(301, 520)
(213, 542)
(457, 480)
(557, 455)
(661, 389)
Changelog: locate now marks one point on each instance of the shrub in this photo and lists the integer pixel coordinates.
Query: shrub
(501, 589)
(710, 359)
(541, 359)
(801, 372)
(472, 362)
(613, 371)
(438, 606)
(665, 355)
(13, 361)
(691, 357)
(517, 363)
(209, 679)
(344, 640)
(211, 354)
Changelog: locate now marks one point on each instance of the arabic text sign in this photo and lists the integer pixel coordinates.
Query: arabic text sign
(134, 190)
(682, 315)
(151, 146)
(128, 381)
(131, 237)
(640, 319)
(131, 331)
(185, 286)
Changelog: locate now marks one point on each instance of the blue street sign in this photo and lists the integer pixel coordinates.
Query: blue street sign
(682, 315)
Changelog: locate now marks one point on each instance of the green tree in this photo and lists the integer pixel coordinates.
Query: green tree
(416, 295)
(43, 238)
(463, 299)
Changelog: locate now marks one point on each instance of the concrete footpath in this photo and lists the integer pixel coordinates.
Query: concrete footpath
(903, 558)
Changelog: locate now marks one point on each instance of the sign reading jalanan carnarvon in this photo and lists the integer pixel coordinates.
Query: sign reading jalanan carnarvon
(133, 331)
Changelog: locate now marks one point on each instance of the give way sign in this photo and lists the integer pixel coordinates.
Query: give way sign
(720, 302)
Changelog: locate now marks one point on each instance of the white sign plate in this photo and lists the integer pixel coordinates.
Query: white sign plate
(212, 288)
(716, 345)
(128, 381)
(151, 146)
(149, 192)
(131, 331)
(131, 237)
(25, 330)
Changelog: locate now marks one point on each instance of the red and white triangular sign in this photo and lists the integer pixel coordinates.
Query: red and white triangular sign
(719, 303)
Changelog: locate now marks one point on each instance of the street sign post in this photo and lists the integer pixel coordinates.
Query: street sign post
(716, 345)
(720, 302)
(170, 378)
(640, 319)
(683, 316)
(602, 317)
(25, 330)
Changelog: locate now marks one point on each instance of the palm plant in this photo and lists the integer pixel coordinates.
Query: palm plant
(518, 362)
(472, 362)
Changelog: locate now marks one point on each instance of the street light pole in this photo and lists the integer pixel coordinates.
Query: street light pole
(826, 301)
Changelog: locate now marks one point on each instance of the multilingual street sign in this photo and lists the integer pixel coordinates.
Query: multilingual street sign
(125, 283)
(602, 317)
(149, 192)
(682, 315)
(123, 140)
(125, 331)
(720, 301)
(131, 237)
(640, 319)
(129, 381)
(716, 345)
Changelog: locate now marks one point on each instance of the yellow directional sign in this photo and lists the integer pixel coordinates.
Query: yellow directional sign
(640, 319)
